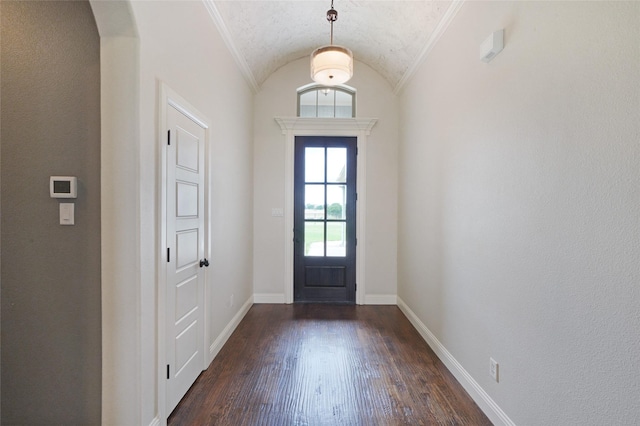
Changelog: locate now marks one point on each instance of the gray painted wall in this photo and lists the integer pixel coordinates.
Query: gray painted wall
(50, 274)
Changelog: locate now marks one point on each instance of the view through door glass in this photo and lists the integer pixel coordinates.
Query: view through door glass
(324, 219)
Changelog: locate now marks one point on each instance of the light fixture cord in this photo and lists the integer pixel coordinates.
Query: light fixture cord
(332, 16)
(331, 40)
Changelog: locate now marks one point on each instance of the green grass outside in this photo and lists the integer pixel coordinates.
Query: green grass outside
(314, 233)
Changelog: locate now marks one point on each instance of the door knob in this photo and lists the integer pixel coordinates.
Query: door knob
(204, 262)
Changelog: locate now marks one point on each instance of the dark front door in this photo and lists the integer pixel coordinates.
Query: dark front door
(325, 219)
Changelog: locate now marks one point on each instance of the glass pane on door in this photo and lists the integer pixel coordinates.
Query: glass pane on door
(314, 238)
(314, 165)
(314, 203)
(336, 202)
(337, 165)
(336, 239)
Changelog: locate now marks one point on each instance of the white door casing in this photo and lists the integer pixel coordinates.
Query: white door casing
(297, 126)
(181, 301)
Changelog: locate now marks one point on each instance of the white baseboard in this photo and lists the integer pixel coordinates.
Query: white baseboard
(268, 298)
(380, 299)
(155, 422)
(484, 401)
(371, 299)
(226, 333)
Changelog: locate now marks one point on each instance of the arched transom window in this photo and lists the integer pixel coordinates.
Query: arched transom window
(315, 100)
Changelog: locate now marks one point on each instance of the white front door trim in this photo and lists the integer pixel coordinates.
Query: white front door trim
(296, 126)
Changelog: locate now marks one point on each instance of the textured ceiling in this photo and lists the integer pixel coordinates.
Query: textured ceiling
(388, 35)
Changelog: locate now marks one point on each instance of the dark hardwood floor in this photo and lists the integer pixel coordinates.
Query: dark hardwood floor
(306, 364)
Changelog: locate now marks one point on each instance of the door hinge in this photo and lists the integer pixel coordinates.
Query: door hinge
(168, 137)
(356, 196)
(356, 150)
(168, 370)
(356, 241)
(168, 254)
(356, 289)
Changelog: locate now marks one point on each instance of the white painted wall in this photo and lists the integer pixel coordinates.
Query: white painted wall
(277, 98)
(179, 45)
(519, 206)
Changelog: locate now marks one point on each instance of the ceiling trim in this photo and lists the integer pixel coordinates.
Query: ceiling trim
(226, 36)
(433, 39)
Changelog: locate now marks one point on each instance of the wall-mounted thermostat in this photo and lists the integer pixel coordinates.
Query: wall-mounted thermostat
(63, 187)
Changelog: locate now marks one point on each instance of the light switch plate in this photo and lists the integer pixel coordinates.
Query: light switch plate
(67, 214)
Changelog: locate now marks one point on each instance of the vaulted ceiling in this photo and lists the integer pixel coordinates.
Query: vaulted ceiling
(391, 36)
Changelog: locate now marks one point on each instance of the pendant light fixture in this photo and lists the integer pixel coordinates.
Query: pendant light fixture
(331, 64)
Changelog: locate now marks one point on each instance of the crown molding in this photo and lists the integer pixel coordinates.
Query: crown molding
(433, 39)
(228, 40)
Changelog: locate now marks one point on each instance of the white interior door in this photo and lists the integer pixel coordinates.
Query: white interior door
(185, 273)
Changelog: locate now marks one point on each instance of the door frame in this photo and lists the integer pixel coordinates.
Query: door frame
(169, 98)
(325, 262)
(296, 126)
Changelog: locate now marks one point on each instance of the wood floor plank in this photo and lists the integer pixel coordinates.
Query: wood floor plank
(315, 364)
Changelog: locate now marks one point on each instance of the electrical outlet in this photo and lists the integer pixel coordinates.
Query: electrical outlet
(493, 369)
(231, 301)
